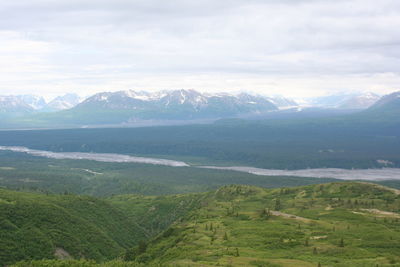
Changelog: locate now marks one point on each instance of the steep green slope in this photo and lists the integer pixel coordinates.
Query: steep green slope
(156, 213)
(339, 224)
(39, 226)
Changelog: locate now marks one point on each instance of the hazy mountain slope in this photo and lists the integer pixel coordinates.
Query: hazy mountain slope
(282, 102)
(14, 106)
(361, 101)
(22, 104)
(345, 101)
(66, 101)
(387, 104)
(34, 101)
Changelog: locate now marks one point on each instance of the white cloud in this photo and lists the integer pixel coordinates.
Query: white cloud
(293, 47)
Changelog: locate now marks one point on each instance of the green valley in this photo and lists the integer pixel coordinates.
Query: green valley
(28, 173)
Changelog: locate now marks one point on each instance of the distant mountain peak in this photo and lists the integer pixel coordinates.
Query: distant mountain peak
(14, 104)
(391, 100)
(178, 104)
(34, 101)
(63, 102)
(345, 100)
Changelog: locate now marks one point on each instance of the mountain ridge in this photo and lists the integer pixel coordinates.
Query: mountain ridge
(131, 108)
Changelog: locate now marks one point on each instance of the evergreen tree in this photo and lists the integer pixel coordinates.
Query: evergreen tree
(278, 204)
(237, 252)
(341, 244)
(225, 236)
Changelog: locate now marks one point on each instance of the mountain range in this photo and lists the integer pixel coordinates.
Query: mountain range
(177, 104)
(25, 104)
(137, 107)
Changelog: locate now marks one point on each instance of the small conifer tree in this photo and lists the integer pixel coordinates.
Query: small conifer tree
(341, 243)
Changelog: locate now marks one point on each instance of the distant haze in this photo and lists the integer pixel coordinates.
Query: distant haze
(296, 48)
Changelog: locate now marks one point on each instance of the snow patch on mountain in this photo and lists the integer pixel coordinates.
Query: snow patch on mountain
(66, 101)
(14, 104)
(34, 101)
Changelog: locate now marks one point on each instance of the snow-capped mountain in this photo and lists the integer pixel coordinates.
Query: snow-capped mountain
(14, 104)
(177, 104)
(175, 98)
(66, 101)
(282, 102)
(21, 104)
(25, 104)
(34, 101)
(345, 101)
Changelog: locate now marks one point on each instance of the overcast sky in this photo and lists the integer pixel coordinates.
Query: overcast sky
(297, 48)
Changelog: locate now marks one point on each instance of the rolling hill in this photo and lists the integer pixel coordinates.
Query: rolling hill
(337, 224)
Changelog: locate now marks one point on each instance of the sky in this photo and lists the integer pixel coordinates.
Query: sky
(296, 48)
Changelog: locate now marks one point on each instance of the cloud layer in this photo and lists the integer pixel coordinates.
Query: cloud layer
(291, 47)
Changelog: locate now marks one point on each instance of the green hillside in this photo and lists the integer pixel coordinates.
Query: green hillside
(336, 224)
(37, 226)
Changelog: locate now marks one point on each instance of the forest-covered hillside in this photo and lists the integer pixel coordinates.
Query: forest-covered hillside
(336, 224)
(37, 226)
